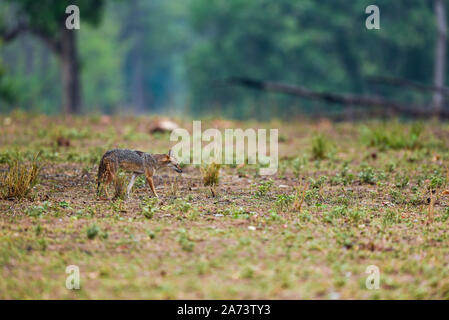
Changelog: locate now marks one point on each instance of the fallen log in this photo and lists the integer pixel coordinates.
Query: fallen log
(408, 83)
(344, 99)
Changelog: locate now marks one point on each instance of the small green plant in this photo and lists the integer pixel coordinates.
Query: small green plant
(37, 211)
(264, 187)
(297, 165)
(117, 206)
(37, 230)
(344, 177)
(274, 215)
(390, 217)
(92, 231)
(120, 186)
(173, 189)
(367, 175)
(283, 137)
(6, 157)
(211, 174)
(402, 181)
(149, 207)
(182, 205)
(184, 240)
(74, 133)
(151, 234)
(398, 197)
(299, 197)
(340, 211)
(437, 180)
(140, 182)
(284, 201)
(240, 213)
(64, 204)
(445, 216)
(42, 244)
(393, 136)
(320, 147)
(247, 272)
(356, 215)
(317, 184)
(313, 196)
(305, 216)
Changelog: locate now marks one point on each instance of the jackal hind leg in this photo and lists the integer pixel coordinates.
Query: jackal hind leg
(101, 183)
(131, 183)
(110, 174)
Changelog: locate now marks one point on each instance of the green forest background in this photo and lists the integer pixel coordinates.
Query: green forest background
(171, 56)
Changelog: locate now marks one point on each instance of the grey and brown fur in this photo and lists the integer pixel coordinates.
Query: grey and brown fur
(136, 162)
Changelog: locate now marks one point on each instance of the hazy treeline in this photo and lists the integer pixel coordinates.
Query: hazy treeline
(164, 55)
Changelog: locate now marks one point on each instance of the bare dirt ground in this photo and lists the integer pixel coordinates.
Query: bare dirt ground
(346, 196)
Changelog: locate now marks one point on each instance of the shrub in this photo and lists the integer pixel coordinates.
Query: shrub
(317, 184)
(173, 188)
(149, 208)
(211, 174)
(445, 216)
(355, 215)
(342, 178)
(299, 197)
(402, 181)
(367, 175)
(335, 213)
(21, 177)
(92, 231)
(284, 201)
(264, 187)
(320, 147)
(184, 240)
(37, 211)
(390, 217)
(393, 137)
(297, 166)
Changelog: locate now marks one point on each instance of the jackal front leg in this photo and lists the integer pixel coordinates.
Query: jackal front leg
(150, 182)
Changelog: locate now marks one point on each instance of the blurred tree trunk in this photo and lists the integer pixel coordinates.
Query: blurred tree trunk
(138, 81)
(440, 54)
(70, 71)
(135, 30)
(349, 61)
(65, 47)
(29, 50)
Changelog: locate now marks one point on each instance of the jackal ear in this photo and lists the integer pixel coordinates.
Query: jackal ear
(170, 153)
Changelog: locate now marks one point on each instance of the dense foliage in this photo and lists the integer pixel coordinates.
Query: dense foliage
(162, 55)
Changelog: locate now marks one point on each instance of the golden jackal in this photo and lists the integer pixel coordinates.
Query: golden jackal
(134, 161)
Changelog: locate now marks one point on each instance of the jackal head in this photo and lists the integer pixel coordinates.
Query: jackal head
(172, 162)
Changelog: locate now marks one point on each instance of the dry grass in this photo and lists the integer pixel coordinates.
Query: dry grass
(173, 187)
(362, 205)
(431, 208)
(120, 187)
(211, 174)
(320, 147)
(20, 178)
(299, 197)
